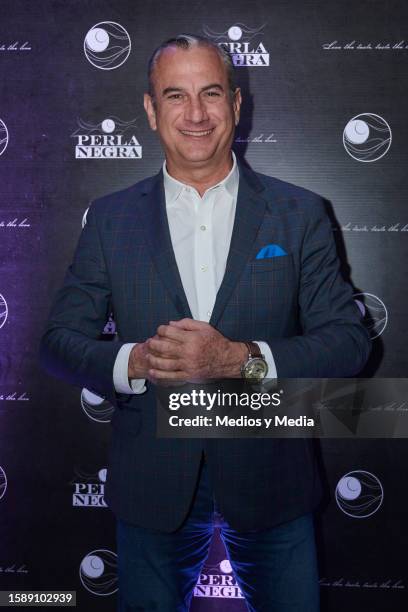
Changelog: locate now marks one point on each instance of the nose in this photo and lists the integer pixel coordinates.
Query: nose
(195, 110)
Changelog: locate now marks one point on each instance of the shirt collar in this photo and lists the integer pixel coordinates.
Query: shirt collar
(173, 188)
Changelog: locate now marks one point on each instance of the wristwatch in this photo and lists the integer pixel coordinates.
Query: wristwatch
(255, 368)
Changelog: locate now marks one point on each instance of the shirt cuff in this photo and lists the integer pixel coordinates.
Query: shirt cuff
(267, 353)
(120, 373)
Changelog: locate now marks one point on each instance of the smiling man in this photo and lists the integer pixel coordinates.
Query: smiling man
(211, 271)
(195, 107)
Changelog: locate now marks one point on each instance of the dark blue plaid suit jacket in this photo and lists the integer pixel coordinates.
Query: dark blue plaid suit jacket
(298, 303)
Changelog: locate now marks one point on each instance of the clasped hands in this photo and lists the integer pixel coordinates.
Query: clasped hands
(187, 350)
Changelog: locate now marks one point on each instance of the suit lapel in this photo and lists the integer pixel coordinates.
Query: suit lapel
(249, 213)
(154, 218)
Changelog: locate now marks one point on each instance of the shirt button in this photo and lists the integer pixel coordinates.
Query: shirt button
(209, 314)
(203, 227)
(203, 268)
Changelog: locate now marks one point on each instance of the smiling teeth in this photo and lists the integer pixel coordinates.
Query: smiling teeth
(188, 133)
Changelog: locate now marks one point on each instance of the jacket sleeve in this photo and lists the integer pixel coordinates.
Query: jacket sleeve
(334, 342)
(71, 348)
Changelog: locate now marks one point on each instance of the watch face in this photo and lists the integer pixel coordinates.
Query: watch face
(256, 368)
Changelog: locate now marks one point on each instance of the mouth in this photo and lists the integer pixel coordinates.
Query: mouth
(197, 133)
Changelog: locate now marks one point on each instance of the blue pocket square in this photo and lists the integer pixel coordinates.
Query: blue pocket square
(270, 250)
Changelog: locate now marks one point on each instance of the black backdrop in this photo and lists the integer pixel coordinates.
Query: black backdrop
(324, 87)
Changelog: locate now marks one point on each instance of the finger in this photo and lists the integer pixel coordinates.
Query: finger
(157, 337)
(165, 375)
(171, 333)
(189, 324)
(164, 348)
(160, 363)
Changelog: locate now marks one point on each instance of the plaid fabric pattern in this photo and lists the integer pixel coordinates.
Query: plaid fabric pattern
(298, 303)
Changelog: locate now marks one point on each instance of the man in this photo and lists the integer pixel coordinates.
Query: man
(184, 261)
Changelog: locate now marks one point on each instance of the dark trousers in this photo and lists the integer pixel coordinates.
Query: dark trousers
(276, 569)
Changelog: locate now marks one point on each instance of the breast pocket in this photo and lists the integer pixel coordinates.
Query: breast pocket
(273, 283)
(273, 264)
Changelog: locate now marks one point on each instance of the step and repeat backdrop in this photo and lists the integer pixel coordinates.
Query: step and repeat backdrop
(324, 86)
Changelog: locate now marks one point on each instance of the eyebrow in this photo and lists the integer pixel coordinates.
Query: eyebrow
(180, 89)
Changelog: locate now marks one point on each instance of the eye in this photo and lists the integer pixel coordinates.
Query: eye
(213, 93)
(175, 96)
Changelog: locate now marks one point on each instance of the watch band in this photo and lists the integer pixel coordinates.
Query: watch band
(253, 350)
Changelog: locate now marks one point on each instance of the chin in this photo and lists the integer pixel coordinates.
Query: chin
(197, 156)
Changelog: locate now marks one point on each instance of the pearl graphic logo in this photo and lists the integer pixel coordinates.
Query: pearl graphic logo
(89, 493)
(97, 408)
(359, 494)
(367, 137)
(238, 40)
(98, 572)
(4, 137)
(112, 138)
(218, 581)
(374, 313)
(3, 482)
(3, 311)
(107, 45)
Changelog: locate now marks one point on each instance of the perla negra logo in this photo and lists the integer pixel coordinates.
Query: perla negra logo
(111, 138)
(89, 490)
(242, 43)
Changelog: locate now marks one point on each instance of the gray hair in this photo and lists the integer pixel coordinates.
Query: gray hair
(187, 41)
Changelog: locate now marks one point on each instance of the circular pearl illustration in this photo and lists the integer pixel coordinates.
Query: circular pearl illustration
(374, 313)
(349, 487)
(107, 45)
(225, 566)
(367, 137)
(97, 39)
(359, 494)
(3, 310)
(98, 572)
(4, 136)
(92, 566)
(357, 131)
(235, 33)
(108, 125)
(97, 408)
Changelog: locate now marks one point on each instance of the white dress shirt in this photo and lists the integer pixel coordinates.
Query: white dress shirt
(200, 231)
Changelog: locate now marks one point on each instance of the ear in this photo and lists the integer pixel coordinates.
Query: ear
(236, 104)
(150, 110)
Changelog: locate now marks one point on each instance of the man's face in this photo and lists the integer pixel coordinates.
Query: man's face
(193, 110)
